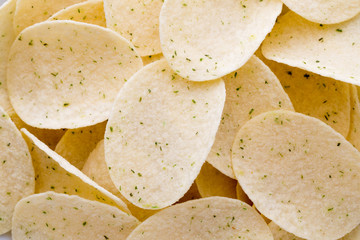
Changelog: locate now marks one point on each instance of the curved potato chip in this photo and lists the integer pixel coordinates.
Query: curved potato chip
(325, 11)
(299, 173)
(251, 90)
(76, 144)
(329, 50)
(207, 218)
(354, 132)
(152, 58)
(241, 195)
(159, 134)
(16, 170)
(52, 215)
(79, 79)
(211, 182)
(54, 173)
(192, 34)
(29, 12)
(7, 38)
(137, 21)
(314, 95)
(91, 11)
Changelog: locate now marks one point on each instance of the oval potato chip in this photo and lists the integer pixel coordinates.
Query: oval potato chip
(314, 95)
(16, 170)
(299, 173)
(329, 50)
(7, 38)
(205, 40)
(29, 12)
(137, 21)
(207, 218)
(65, 83)
(325, 11)
(91, 11)
(76, 144)
(211, 182)
(52, 215)
(251, 90)
(159, 134)
(54, 173)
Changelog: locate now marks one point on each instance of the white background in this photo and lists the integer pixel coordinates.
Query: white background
(5, 236)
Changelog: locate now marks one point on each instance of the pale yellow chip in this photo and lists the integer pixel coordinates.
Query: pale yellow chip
(325, 11)
(241, 195)
(159, 134)
(300, 173)
(16, 170)
(251, 90)
(205, 40)
(152, 58)
(29, 12)
(91, 11)
(211, 182)
(7, 37)
(54, 173)
(207, 218)
(329, 50)
(76, 144)
(317, 96)
(52, 215)
(66, 74)
(137, 21)
(354, 132)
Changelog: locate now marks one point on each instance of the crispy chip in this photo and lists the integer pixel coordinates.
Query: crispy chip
(325, 11)
(315, 95)
(7, 38)
(52, 215)
(251, 90)
(159, 134)
(204, 40)
(29, 12)
(354, 132)
(65, 83)
(329, 50)
(207, 218)
(137, 21)
(91, 11)
(299, 173)
(54, 173)
(76, 144)
(16, 170)
(212, 182)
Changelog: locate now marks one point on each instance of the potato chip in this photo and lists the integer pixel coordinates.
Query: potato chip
(137, 21)
(54, 173)
(207, 218)
(354, 132)
(55, 82)
(325, 11)
(299, 173)
(151, 58)
(159, 134)
(7, 38)
(251, 90)
(241, 195)
(212, 182)
(314, 95)
(191, 194)
(91, 11)
(29, 12)
(16, 170)
(202, 43)
(76, 144)
(52, 215)
(329, 50)
(353, 235)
